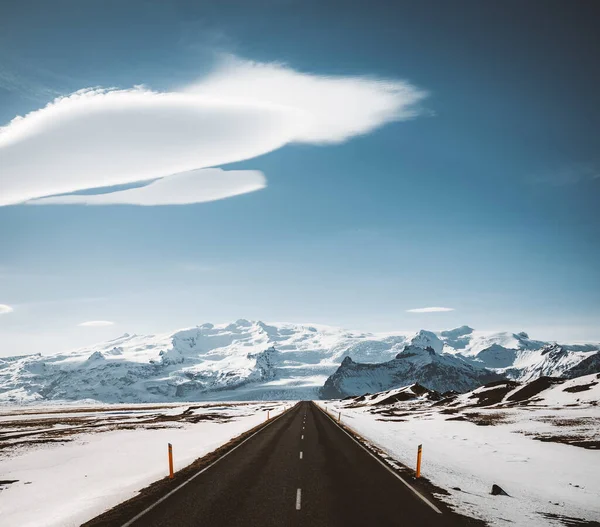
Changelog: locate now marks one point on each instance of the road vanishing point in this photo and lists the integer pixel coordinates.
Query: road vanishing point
(302, 469)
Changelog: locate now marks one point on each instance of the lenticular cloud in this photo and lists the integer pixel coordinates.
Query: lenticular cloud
(196, 186)
(97, 139)
(100, 138)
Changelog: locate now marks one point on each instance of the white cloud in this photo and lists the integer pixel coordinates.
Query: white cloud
(98, 138)
(196, 186)
(96, 323)
(430, 310)
(333, 108)
(5, 309)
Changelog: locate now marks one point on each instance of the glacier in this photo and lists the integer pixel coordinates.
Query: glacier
(253, 360)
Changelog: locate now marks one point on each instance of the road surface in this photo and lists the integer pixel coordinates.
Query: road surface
(301, 470)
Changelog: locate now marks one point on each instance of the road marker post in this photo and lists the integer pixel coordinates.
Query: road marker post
(419, 453)
(339, 417)
(170, 461)
(268, 414)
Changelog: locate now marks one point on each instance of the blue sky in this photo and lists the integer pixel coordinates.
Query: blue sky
(483, 198)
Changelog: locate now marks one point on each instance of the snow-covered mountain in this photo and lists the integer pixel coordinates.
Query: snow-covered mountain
(461, 360)
(421, 361)
(515, 354)
(253, 360)
(242, 360)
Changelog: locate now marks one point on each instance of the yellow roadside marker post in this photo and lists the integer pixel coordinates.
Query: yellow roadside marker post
(419, 453)
(170, 461)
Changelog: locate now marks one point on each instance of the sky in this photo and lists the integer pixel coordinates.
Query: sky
(166, 164)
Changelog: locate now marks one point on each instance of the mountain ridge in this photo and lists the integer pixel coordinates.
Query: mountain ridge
(254, 360)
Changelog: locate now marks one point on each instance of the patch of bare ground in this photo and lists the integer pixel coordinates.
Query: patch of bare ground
(583, 431)
(391, 413)
(450, 400)
(187, 416)
(116, 408)
(571, 522)
(450, 410)
(89, 409)
(57, 430)
(486, 418)
(403, 396)
(33, 442)
(586, 422)
(573, 440)
(357, 402)
(533, 388)
(495, 392)
(580, 388)
(43, 423)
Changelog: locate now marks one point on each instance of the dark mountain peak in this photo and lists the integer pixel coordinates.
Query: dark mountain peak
(416, 351)
(553, 349)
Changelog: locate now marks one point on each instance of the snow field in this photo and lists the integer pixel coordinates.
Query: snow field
(64, 485)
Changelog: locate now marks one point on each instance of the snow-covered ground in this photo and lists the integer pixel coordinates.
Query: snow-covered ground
(519, 445)
(73, 463)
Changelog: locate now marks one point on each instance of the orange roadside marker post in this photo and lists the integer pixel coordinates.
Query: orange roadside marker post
(419, 453)
(170, 461)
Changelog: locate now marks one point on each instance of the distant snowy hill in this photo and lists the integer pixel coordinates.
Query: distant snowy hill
(515, 354)
(253, 360)
(421, 361)
(461, 360)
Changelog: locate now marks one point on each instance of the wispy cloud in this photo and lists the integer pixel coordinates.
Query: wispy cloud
(430, 310)
(5, 309)
(568, 175)
(99, 138)
(96, 323)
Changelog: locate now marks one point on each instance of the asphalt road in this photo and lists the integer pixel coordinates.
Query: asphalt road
(302, 470)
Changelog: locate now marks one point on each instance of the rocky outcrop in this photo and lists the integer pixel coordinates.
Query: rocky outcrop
(415, 364)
